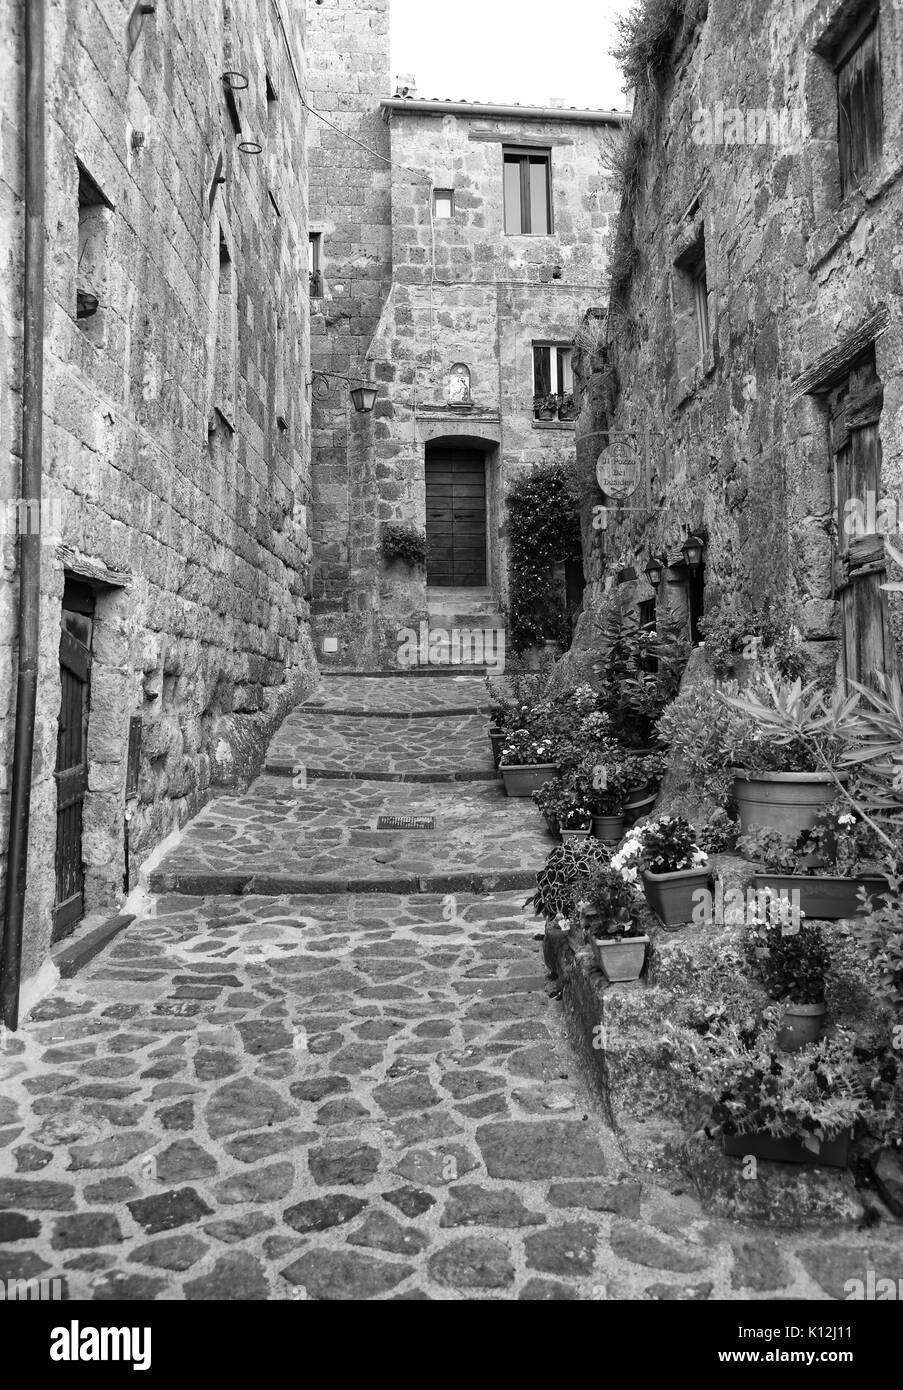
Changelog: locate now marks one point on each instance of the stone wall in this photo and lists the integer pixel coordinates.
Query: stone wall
(176, 452)
(739, 150)
(350, 209)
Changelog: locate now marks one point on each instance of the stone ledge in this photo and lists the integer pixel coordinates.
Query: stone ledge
(275, 885)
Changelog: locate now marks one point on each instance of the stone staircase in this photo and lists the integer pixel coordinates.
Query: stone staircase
(475, 627)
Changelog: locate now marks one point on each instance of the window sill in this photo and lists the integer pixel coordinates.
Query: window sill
(839, 224)
(554, 424)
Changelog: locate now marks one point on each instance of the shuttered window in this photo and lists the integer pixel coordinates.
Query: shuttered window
(860, 112)
(527, 191)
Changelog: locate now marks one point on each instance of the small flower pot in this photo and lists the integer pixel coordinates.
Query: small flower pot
(524, 779)
(572, 836)
(497, 739)
(800, 1026)
(832, 1153)
(789, 802)
(609, 829)
(621, 960)
(639, 802)
(823, 897)
(671, 895)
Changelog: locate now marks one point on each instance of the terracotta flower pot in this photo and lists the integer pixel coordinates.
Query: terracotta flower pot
(522, 779)
(833, 1153)
(621, 960)
(786, 801)
(821, 896)
(608, 828)
(801, 1025)
(671, 895)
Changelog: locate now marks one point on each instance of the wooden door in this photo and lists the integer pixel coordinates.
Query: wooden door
(456, 518)
(71, 758)
(860, 564)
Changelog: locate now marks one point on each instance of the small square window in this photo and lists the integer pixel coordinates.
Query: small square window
(443, 203)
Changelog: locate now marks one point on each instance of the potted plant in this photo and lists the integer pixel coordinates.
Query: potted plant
(796, 1107)
(663, 855)
(567, 407)
(403, 543)
(558, 883)
(526, 762)
(566, 813)
(792, 960)
(787, 774)
(608, 910)
(833, 870)
(545, 406)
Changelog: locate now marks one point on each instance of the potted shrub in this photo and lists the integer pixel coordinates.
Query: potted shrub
(526, 762)
(833, 870)
(558, 883)
(787, 775)
(545, 407)
(403, 543)
(568, 408)
(792, 960)
(796, 1107)
(608, 910)
(664, 857)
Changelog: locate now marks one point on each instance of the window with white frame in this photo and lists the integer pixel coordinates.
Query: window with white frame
(443, 204)
(553, 376)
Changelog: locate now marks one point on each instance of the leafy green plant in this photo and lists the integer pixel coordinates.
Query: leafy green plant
(557, 881)
(523, 748)
(719, 834)
(765, 632)
(562, 805)
(543, 533)
(647, 35)
(639, 671)
(610, 904)
(794, 728)
(792, 965)
(405, 543)
(665, 845)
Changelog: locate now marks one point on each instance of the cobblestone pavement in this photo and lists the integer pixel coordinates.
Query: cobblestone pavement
(345, 1096)
(398, 748)
(413, 695)
(278, 837)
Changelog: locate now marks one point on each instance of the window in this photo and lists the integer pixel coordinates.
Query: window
(701, 304)
(226, 324)
(93, 223)
(314, 248)
(552, 374)
(860, 116)
(527, 192)
(443, 203)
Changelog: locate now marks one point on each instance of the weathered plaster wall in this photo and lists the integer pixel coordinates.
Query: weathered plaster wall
(178, 484)
(793, 270)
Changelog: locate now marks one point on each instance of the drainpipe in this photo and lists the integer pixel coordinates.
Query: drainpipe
(29, 540)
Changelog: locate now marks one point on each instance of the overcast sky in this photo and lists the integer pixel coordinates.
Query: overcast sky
(510, 50)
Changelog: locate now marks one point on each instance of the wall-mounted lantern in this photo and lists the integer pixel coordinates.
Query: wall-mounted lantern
(654, 570)
(363, 398)
(693, 549)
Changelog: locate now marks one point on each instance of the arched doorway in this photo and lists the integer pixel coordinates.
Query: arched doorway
(456, 537)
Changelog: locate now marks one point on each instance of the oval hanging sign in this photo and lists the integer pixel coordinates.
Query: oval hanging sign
(618, 470)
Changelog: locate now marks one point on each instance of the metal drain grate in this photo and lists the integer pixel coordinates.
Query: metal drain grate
(406, 823)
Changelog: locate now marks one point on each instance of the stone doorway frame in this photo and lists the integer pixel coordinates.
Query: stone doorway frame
(481, 432)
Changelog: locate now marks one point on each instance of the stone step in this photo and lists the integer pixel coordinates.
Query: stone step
(325, 744)
(322, 838)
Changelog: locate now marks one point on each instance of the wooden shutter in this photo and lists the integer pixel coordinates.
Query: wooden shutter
(860, 111)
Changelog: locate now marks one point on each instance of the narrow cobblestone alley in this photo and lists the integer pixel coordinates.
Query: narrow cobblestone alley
(272, 1087)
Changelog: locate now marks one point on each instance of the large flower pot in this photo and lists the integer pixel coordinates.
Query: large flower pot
(832, 1153)
(820, 896)
(671, 895)
(523, 779)
(639, 802)
(608, 828)
(572, 836)
(800, 1026)
(786, 801)
(621, 960)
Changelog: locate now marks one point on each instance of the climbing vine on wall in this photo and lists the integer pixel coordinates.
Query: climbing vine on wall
(543, 534)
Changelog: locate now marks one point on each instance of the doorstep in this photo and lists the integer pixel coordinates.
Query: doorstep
(75, 953)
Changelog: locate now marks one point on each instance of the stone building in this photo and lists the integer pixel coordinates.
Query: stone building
(749, 371)
(457, 245)
(173, 623)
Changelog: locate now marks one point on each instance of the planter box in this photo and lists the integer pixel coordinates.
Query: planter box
(671, 895)
(609, 829)
(786, 801)
(621, 960)
(571, 836)
(834, 1153)
(526, 778)
(821, 896)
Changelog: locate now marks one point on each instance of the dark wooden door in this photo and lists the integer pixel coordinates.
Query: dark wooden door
(860, 567)
(456, 518)
(71, 759)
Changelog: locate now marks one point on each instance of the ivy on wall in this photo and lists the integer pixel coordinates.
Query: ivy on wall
(543, 534)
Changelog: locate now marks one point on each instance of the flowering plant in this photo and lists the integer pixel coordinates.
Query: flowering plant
(665, 845)
(563, 805)
(523, 749)
(838, 843)
(791, 964)
(610, 904)
(557, 881)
